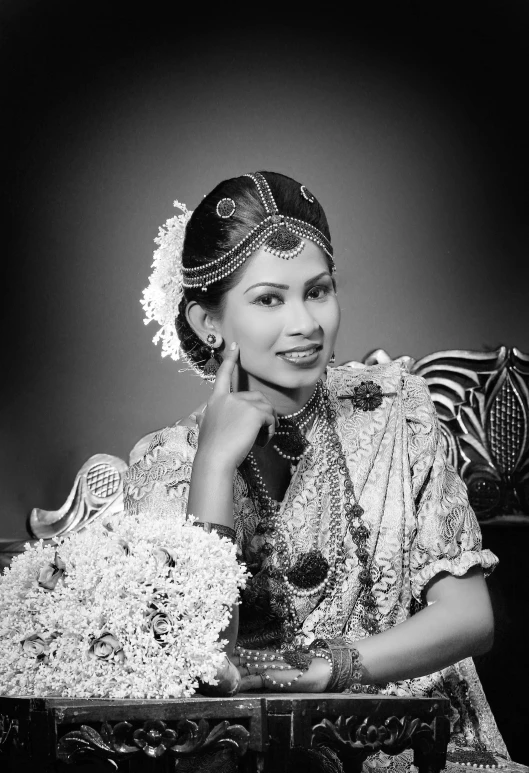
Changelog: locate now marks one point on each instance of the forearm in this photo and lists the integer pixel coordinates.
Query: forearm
(446, 631)
(211, 499)
(211, 491)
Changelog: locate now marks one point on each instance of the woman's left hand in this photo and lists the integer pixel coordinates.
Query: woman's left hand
(315, 679)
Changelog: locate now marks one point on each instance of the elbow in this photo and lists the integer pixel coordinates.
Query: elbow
(484, 635)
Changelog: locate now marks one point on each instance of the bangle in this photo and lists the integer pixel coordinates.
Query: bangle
(222, 531)
(347, 671)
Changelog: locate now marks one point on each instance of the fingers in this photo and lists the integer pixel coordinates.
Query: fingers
(267, 431)
(268, 416)
(225, 372)
(236, 380)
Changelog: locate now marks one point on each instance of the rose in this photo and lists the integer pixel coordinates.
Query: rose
(37, 646)
(160, 624)
(123, 545)
(117, 547)
(163, 557)
(50, 575)
(107, 647)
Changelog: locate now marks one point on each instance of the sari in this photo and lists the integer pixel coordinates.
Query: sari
(420, 524)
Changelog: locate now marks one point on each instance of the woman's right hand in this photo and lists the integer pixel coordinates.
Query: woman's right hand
(234, 421)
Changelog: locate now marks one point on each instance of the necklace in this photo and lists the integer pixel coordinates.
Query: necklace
(311, 573)
(289, 438)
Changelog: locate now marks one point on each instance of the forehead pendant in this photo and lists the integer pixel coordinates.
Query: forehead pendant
(284, 244)
(225, 208)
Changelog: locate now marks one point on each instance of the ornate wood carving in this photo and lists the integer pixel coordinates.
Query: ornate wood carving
(8, 732)
(155, 739)
(98, 490)
(355, 738)
(482, 400)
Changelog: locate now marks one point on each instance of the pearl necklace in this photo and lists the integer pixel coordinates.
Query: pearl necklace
(333, 460)
(289, 439)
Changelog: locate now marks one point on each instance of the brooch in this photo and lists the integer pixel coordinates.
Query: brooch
(367, 396)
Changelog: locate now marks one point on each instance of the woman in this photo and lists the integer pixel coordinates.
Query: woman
(367, 571)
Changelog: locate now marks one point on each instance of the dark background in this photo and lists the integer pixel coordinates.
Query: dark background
(407, 119)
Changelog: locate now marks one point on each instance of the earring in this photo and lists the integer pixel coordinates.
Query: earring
(333, 359)
(212, 365)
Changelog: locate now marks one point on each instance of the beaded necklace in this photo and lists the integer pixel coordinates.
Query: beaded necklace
(289, 438)
(311, 574)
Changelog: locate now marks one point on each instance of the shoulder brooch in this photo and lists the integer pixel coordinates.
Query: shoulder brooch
(367, 396)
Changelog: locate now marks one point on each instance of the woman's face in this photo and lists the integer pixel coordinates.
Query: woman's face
(284, 315)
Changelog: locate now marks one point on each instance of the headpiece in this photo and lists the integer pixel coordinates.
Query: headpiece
(280, 235)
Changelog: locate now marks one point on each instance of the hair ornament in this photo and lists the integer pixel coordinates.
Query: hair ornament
(284, 244)
(307, 195)
(163, 295)
(282, 235)
(225, 208)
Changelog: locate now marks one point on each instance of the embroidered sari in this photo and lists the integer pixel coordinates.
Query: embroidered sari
(419, 520)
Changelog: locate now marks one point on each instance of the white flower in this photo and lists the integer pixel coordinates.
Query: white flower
(161, 298)
(98, 632)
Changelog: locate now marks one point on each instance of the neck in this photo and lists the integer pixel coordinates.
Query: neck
(285, 401)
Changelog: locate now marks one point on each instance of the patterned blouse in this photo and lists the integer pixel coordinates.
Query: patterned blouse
(419, 520)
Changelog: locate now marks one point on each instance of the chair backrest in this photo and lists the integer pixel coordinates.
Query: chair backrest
(97, 491)
(482, 400)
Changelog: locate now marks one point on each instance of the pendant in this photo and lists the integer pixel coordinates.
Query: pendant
(309, 571)
(289, 440)
(354, 512)
(297, 659)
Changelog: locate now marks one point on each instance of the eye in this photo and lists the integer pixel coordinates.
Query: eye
(269, 300)
(318, 292)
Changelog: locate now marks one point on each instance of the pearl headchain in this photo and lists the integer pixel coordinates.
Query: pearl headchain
(281, 235)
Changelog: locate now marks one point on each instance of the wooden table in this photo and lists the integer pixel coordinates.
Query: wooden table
(266, 733)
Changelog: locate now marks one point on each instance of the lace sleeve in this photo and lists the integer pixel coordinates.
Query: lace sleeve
(448, 536)
(159, 481)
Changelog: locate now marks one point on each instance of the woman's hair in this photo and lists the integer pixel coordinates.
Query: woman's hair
(208, 237)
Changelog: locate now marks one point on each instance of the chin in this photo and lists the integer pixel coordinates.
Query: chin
(293, 378)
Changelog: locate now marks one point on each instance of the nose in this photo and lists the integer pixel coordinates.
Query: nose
(300, 321)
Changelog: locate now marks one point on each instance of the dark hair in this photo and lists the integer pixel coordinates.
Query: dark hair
(208, 237)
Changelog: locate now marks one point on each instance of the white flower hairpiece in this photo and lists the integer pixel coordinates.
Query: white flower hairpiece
(163, 295)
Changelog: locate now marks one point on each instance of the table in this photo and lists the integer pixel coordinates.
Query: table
(257, 732)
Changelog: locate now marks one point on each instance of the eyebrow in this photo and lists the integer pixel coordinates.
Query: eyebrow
(286, 287)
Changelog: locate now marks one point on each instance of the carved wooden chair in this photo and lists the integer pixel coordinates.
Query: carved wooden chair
(97, 491)
(482, 400)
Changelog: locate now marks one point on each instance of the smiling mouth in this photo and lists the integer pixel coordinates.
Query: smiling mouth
(300, 355)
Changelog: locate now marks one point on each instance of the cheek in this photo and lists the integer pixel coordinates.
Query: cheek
(329, 317)
(261, 329)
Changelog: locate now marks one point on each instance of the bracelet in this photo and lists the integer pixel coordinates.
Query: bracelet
(222, 531)
(347, 671)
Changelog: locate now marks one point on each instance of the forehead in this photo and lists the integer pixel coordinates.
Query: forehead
(262, 266)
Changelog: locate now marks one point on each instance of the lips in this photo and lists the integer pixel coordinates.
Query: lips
(301, 352)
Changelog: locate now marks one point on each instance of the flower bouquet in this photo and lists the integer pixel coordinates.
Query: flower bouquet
(128, 608)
